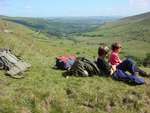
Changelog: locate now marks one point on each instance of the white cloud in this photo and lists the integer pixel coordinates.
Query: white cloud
(140, 4)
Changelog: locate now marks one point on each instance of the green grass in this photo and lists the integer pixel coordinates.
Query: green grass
(44, 90)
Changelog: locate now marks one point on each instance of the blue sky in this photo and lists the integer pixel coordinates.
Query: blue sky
(54, 8)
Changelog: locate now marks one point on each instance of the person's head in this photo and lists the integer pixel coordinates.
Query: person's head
(116, 47)
(103, 51)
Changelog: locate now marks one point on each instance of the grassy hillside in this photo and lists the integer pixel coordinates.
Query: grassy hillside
(133, 32)
(44, 90)
(61, 26)
(126, 29)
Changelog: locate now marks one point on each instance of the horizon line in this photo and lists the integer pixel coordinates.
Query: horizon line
(117, 16)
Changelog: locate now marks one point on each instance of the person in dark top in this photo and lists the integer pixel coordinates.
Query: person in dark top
(102, 63)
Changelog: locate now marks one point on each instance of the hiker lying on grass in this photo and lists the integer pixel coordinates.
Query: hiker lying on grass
(102, 62)
(126, 65)
(118, 73)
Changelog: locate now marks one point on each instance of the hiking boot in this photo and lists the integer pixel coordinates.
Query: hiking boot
(144, 74)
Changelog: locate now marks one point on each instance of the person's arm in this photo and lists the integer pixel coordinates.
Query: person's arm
(120, 61)
(113, 67)
(115, 59)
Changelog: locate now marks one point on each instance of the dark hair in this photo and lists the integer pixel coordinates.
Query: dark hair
(103, 50)
(115, 46)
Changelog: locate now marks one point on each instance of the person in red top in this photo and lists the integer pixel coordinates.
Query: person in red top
(126, 65)
(114, 56)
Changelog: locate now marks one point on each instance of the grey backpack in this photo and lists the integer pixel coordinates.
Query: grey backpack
(11, 64)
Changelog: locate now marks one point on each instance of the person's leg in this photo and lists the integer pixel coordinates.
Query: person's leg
(131, 79)
(121, 75)
(128, 65)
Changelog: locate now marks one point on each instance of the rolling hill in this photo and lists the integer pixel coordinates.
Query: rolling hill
(62, 26)
(133, 32)
(45, 90)
(130, 28)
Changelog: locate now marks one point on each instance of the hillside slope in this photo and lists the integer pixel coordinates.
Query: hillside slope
(130, 28)
(133, 32)
(45, 90)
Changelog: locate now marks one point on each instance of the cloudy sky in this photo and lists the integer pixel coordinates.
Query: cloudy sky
(54, 8)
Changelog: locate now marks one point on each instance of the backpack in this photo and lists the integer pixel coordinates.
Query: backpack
(83, 67)
(11, 64)
(65, 62)
(4, 64)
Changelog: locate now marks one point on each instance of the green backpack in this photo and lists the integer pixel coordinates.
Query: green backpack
(84, 68)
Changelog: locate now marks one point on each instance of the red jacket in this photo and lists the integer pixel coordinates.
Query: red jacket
(114, 59)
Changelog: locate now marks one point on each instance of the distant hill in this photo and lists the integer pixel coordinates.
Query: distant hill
(130, 28)
(63, 26)
(139, 17)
